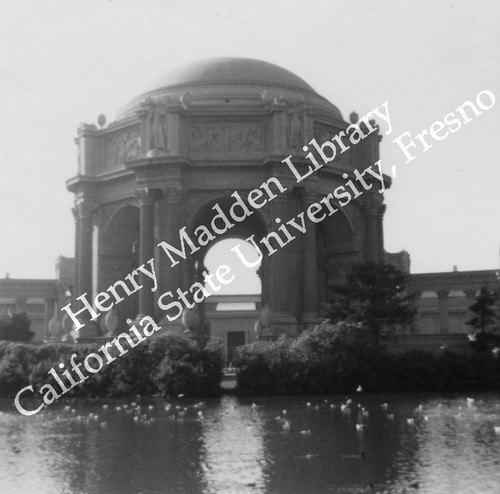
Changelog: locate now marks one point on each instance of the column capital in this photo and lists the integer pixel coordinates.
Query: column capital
(442, 294)
(147, 196)
(308, 196)
(281, 198)
(470, 293)
(173, 193)
(372, 205)
(84, 208)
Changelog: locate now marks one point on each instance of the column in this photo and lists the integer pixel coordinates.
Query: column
(415, 305)
(443, 310)
(470, 299)
(20, 304)
(202, 332)
(371, 207)
(172, 218)
(279, 287)
(309, 267)
(322, 270)
(146, 198)
(49, 312)
(381, 249)
(278, 293)
(84, 213)
(263, 273)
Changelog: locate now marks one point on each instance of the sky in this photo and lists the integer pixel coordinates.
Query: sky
(62, 63)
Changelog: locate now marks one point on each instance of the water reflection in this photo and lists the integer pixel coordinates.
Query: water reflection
(363, 443)
(233, 454)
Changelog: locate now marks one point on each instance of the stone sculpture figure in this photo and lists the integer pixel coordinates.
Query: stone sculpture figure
(295, 126)
(157, 125)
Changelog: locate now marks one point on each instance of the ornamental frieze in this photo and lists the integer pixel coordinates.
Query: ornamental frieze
(232, 137)
(324, 133)
(122, 147)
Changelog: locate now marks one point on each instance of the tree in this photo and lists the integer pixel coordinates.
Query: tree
(15, 327)
(375, 294)
(484, 320)
(484, 310)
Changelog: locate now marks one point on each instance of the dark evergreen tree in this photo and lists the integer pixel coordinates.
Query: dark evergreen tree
(375, 294)
(484, 320)
(15, 327)
(484, 311)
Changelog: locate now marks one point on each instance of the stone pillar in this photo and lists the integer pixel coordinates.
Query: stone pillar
(20, 304)
(381, 231)
(146, 198)
(309, 267)
(322, 270)
(202, 331)
(371, 207)
(50, 309)
(84, 213)
(279, 285)
(415, 305)
(443, 310)
(263, 272)
(171, 277)
(471, 298)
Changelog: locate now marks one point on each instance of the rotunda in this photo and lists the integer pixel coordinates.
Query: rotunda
(178, 153)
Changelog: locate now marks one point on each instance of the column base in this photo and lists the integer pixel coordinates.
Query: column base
(309, 320)
(175, 328)
(89, 331)
(284, 323)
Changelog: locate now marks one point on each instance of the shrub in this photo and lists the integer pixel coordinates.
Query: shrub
(162, 364)
(338, 358)
(188, 370)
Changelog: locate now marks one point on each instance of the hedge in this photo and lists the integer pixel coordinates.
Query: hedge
(339, 358)
(163, 364)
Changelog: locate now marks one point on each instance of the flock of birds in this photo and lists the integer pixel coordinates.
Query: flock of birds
(147, 414)
(141, 413)
(356, 414)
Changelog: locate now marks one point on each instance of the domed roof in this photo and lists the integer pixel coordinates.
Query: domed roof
(240, 71)
(235, 76)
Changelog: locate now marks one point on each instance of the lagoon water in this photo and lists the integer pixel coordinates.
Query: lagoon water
(314, 444)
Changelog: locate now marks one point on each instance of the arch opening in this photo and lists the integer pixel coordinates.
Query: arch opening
(232, 312)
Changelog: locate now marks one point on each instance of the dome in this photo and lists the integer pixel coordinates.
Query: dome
(237, 71)
(244, 77)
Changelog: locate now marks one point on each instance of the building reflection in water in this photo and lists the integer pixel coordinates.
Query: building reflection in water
(459, 449)
(233, 456)
(447, 444)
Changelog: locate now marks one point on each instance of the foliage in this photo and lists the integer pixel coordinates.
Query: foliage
(15, 327)
(162, 364)
(375, 295)
(335, 358)
(484, 310)
(484, 320)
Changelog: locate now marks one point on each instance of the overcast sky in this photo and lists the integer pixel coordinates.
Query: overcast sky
(62, 63)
